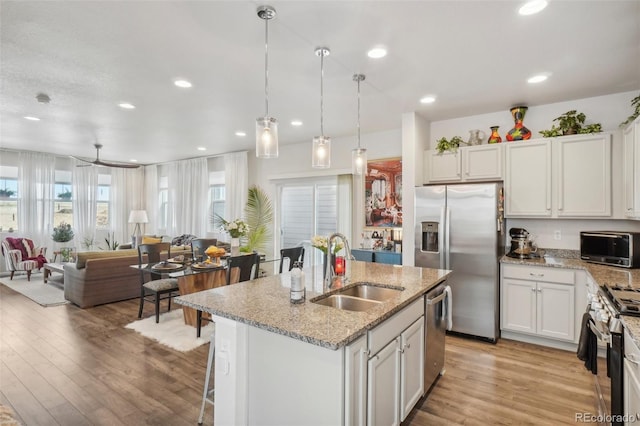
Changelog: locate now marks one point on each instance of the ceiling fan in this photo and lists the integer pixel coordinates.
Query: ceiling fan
(98, 162)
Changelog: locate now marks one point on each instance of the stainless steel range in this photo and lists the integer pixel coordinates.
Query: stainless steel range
(607, 304)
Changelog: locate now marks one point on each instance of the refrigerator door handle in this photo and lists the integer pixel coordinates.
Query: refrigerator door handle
(447, 238)
(441, 241)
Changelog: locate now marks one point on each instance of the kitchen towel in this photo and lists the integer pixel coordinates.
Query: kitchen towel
(588, 345)
(449, 307)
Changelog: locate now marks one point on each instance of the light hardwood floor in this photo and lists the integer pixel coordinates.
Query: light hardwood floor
(69, 366)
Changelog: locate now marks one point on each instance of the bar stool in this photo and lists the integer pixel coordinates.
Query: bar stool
(209, 389)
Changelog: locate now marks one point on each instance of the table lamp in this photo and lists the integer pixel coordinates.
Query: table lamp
(137, 217)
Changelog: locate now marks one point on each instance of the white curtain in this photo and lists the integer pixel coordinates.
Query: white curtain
(127, 193)
(187, 199)
(36, 183)
(84, 183)
(151, 189)
(236, 178)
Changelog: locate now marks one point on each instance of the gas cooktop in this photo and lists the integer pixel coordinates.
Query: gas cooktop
(625, 299)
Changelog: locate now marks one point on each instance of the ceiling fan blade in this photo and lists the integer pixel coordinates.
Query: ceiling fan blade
(120, 165)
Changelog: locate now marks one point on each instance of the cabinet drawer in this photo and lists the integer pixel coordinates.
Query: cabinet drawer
(632, 354)
(532, 273)
(391, 328)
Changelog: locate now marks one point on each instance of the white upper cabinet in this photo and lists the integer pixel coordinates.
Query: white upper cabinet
(469, 163)
(569, 176)
(583, 165)
(527, 180)
(631, 160)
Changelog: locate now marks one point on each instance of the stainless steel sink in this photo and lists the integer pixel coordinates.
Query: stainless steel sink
(371, 291)
(348, 303)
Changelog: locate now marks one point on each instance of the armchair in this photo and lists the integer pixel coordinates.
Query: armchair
(20, 254)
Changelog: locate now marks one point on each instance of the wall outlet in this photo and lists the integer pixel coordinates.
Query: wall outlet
(557, 234)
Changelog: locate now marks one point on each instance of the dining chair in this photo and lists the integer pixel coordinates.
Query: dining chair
(249, 265)
(157, 287)
(293, 254)
(199, 245)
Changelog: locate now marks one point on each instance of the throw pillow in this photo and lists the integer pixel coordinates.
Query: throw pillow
(16, 244)
(151, 240)
(29, 247)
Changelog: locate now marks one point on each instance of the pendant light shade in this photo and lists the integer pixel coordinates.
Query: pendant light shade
(359, 155)
(266, 127)
(321, 155)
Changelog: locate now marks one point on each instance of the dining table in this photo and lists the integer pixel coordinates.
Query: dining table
(194, 276)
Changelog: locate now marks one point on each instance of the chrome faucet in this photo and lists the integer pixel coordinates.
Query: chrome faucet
(329, 273)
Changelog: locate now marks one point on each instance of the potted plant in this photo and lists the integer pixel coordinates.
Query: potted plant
(635, 102)
(62, 233)
(449, 145)
(571, 123)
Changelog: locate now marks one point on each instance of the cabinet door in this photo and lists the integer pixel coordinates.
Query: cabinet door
(411, 367)
(556, 310)
(584, 175)
(519, 305)
(388, 257)
(482, 162)
(527, 181)
(355, 384)
(631, 138)
(443, 167)
(383, 386)
(631, 393)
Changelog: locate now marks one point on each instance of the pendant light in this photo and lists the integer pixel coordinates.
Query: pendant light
(359, 155)
(321, 156)
(266, 127)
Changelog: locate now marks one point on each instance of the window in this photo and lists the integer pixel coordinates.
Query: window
(8, 198)
(103, 201)
(217, 199)
(62, 204)
(163, 203)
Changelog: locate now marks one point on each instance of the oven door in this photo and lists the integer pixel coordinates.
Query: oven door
(608, 380)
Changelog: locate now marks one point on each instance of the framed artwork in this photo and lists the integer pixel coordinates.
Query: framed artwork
(383, 193)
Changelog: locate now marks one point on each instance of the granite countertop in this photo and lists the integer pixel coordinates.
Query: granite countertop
(264, 303)
(601, 274)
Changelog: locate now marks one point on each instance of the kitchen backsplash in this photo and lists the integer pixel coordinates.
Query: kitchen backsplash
(545, 231)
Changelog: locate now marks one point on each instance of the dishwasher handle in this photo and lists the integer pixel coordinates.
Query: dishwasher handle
(436, 299)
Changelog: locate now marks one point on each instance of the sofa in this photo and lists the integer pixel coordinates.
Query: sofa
(99, 277)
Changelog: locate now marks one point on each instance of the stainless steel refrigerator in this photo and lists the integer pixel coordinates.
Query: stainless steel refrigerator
(461, 227)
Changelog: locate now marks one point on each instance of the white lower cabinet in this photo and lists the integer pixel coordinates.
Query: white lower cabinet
(631, 381)
(539, 301)
(396, 377)
(356, 356)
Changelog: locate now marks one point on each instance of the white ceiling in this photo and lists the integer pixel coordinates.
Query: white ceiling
(476, 56)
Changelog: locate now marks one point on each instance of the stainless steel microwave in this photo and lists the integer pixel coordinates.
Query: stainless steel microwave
(611, 248)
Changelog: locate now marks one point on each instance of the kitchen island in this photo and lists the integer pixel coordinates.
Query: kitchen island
(280, 363)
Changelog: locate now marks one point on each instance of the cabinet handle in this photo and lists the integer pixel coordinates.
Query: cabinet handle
(536, 275)
(533, 289)
(539, 290)
(632, 358)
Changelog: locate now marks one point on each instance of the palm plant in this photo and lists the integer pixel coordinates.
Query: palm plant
(258, 215)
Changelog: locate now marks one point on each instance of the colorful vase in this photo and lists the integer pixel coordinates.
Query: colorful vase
(519, 132)
(494, 137)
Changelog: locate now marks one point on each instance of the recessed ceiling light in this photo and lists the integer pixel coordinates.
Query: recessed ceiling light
(28, 117)
(240, 133)
(428, 99)
(126, 105)
(183, 83)
(202, 148)
(539, 78)
(377, 52)
(532, 7)
(133, 160)
(296, 123)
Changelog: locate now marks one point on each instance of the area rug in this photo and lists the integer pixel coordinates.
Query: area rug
(49, 294)
(172, 331)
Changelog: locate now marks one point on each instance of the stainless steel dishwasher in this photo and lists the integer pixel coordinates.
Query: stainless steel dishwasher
(436, 319)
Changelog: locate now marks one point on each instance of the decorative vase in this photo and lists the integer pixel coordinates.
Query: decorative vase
(494, 137)
(474, 137)
(326, 258)
(235, 246)
(519, 132)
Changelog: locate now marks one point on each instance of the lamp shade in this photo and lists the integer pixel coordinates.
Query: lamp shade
(321, 155)
(138, 216)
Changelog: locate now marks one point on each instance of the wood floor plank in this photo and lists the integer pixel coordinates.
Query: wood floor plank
(65, 365)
